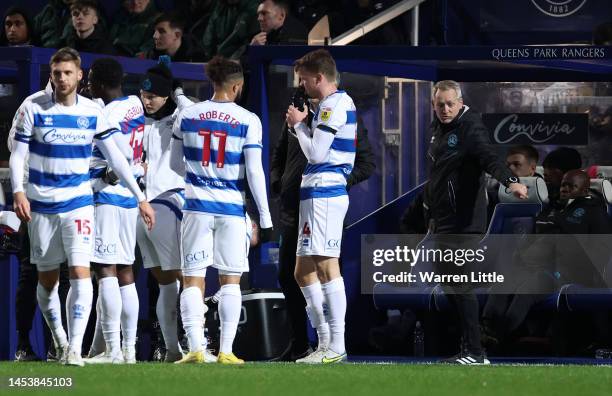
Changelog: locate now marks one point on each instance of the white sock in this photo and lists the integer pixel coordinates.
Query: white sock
(313, 294)
(129, 314)
(97, 344)
(50, 306)
(191, 312)
(230, 306)
(109, 297)
(204, 338)
(78, 308)
(336, 307)
(166, 314)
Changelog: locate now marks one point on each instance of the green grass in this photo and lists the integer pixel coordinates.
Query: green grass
(291, 379)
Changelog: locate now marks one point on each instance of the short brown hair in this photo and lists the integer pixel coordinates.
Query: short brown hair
(66, 54)
(319, 61)
(80, 5)
(526, 150)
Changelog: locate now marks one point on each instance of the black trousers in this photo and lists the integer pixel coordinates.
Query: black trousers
(461, 296)
(465, 304)
(25, 299)
(296, 305)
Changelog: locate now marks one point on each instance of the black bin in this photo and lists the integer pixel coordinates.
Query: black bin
(263, 328)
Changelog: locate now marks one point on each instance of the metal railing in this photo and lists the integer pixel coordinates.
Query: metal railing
(380, 19)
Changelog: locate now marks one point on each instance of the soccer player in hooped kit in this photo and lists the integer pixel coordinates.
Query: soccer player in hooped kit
(220, 142)
(58, 131)
(115, 216)
(329, 145)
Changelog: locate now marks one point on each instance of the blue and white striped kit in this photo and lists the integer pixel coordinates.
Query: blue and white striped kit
(336, 114)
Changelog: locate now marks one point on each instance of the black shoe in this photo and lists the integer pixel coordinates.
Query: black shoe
(299, 355)
(26, 354)
(184, 343)
(488, 338)
(52, 354)
(159, 354)
(467, 359)
(290, 354)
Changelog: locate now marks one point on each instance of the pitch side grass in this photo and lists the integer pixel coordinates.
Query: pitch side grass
(292, 379)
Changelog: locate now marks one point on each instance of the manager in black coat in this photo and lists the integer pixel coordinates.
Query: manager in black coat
(454, 199)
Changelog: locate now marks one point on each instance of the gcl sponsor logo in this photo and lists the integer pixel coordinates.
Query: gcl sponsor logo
(333, 243)
(196, 257)
(105, 248)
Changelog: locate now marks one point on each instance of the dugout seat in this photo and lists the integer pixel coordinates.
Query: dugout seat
(517, 216)
(604, 187)
(512, 216)
(588, 299)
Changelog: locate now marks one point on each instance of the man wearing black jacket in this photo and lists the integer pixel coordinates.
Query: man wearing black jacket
(170, 39)
(278, 26)
(454, 197)
(545, 263)
(88, 33)
(288, 164)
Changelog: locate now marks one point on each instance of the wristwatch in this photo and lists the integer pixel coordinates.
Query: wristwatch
(510, 180)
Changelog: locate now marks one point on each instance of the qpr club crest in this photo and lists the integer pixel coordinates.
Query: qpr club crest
(452, 140)
(83, 122)
(146, 85)
(558, 8)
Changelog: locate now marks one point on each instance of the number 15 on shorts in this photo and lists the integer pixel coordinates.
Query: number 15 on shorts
(83, 227)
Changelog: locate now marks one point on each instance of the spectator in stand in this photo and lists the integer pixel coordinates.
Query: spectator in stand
(17, 28)
(52, 25)
(169, 39)
(133, 27)
(277, 25)
(230, 28)
(87, 34)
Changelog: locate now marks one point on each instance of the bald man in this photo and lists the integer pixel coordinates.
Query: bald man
(574, 184)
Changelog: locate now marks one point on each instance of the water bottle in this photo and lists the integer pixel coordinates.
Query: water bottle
(419, 340)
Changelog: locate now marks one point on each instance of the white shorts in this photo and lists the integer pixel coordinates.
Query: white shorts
(220, 241)
(161, 247)
(55, 238)
(115, 235)
(321, 223)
